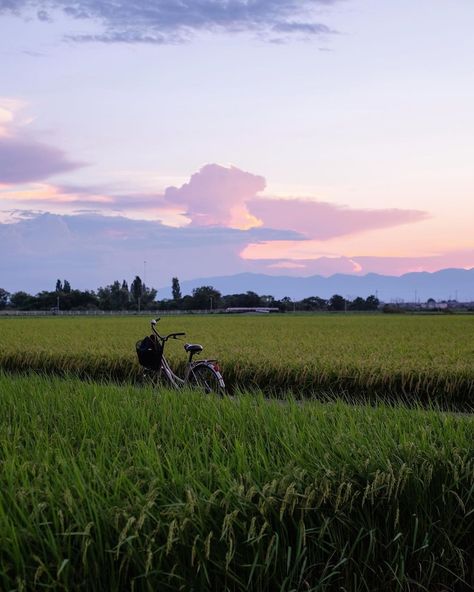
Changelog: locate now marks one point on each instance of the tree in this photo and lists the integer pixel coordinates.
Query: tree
(205, 297)
(175, 289)
(358, 304)
(59, 286)
(285, 304)
(104, 296)
(136, 290)
(66, 287)
(248, 300)
(313, 303)
(267, 300)
(46, 300)
(337, 302)
(82, 300)
(148, 298)
(22, 300)
(372, 302)
(251, 299)
(4, 296)
(124, 295)
(116, 295)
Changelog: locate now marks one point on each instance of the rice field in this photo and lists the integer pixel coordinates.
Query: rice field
(108, 487)
(360, 357)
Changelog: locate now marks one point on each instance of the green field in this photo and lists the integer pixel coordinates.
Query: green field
(105, 487)
(414, 358)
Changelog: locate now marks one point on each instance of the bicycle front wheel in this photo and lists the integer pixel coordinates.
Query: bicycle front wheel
(207, 379)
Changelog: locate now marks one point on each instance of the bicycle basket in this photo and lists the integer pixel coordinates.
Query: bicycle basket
(149, 352)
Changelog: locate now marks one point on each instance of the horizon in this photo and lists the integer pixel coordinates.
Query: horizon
(286, 138)
(409, 289)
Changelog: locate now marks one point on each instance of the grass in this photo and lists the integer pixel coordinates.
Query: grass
(105, 488)
(414, 359)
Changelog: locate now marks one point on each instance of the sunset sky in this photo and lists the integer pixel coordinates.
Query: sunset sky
(290, 137)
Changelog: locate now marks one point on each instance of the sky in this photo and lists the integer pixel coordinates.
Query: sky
(202, 138)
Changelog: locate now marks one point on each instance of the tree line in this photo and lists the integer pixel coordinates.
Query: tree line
(116, 296)
(139, 297)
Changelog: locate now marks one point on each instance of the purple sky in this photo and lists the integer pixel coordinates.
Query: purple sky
(279, 136)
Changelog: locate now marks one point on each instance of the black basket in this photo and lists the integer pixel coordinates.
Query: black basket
(149, 352)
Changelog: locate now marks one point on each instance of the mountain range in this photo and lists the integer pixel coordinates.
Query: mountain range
(446, 284)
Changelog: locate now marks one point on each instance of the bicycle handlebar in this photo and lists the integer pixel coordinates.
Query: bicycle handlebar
(164, 338)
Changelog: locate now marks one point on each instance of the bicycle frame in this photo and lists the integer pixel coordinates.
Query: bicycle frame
(175, 381)
(172, 378)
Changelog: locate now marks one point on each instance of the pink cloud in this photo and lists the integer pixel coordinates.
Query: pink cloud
(228, 196)
(323, 221)
(22, 161)
(218, 196)
(22, 158)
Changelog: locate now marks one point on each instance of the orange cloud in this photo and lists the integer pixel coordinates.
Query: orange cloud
(49, 195)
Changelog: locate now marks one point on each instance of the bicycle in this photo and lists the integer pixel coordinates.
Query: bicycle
(204, 375)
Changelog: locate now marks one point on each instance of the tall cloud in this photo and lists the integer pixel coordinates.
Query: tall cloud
(163, 21)
(218, 195)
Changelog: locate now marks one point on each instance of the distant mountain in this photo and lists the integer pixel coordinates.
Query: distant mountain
(446, 284)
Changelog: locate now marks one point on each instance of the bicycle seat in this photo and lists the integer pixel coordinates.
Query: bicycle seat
(193, 347)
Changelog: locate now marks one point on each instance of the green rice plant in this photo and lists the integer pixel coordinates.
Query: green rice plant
(105, 487)
(411, 358)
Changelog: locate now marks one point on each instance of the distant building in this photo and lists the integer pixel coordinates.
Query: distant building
(243, 309)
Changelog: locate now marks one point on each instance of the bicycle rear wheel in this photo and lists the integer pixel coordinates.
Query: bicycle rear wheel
(207, 379)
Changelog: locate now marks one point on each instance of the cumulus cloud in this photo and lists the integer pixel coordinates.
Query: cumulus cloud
(218, 195)
(228, 196)
(165, 21)
(214, 196)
